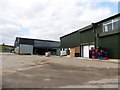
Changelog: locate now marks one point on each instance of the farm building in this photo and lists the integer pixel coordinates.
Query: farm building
(104, 33)
(35, 46)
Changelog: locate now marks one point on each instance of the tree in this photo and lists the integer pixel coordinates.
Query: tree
(3, 44)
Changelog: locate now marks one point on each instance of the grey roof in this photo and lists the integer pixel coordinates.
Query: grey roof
(46, 44)
(38, 43)
(92, 24)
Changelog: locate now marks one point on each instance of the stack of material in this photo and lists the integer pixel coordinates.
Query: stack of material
(99, 53)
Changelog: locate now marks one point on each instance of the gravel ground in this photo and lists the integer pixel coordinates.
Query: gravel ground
(33, 71)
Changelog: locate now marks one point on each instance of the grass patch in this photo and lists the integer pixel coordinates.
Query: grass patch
(0, 48)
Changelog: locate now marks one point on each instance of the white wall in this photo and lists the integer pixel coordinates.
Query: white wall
(86, 50)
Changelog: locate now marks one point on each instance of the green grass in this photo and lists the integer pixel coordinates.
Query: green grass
(0, 48)
(5, 48)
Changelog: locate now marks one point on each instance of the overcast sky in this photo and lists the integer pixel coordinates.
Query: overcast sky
(50, 19)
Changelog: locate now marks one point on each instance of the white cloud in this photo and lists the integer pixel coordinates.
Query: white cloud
(47, 19)
(9, 30)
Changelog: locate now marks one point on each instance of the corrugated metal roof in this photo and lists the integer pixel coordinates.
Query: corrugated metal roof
(36, 39)
(91, 26)
(46, 44)
(114, 16)
(69, 34)
(38, 43)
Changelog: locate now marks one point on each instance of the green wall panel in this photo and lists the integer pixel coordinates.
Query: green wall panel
(119, 45)
(87, 36)
(111, 43)
(71, 40)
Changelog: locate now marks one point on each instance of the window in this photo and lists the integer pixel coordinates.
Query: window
(115, 25)
(111, 25)
(108, 27)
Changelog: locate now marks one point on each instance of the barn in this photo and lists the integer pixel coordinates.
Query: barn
(35, 46)
(104, 33)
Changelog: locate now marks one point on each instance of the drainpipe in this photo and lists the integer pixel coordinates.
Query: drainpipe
(94, 31)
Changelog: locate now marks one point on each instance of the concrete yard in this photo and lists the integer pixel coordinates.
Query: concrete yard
(34, 71)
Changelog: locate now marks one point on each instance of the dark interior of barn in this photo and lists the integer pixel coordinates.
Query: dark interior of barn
(41, 51)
